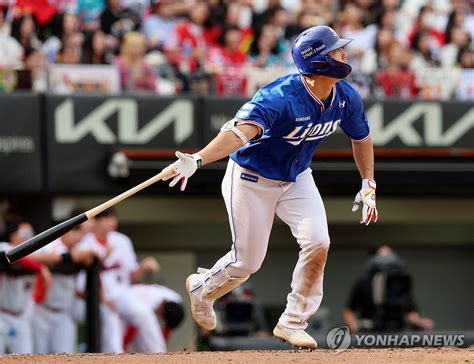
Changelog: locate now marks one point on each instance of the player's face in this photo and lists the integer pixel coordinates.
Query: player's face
(339, 55)
(24, 232)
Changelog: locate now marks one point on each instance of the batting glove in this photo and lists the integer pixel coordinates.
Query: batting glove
(366, 198)
(185, 167)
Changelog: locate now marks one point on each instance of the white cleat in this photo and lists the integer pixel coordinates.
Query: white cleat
(202, 310)
(296, 337)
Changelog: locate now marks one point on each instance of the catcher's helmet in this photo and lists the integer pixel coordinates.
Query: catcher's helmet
(310, 53)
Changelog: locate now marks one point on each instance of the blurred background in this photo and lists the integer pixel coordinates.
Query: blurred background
(96, 95)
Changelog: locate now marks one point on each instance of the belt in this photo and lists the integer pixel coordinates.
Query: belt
(11, 313)
(53, 309)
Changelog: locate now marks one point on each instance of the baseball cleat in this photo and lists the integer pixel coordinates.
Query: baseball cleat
(201, 309)
(295, 337)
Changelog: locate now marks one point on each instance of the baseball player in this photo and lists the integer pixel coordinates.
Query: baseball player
(54, 330)
(15, 294)
(167, 305)
(271, 142)
(120, 269)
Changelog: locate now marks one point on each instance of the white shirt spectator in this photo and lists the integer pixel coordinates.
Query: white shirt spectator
(11, 52)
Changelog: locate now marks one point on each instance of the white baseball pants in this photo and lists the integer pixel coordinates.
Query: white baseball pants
(53, 332)
(252, 202)
(15, 334)
(110, 326)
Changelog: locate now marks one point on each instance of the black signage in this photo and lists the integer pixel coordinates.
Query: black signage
(20, 143)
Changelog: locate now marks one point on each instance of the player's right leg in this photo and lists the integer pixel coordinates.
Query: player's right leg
(301, 207)
(250, 201)
(4, 328)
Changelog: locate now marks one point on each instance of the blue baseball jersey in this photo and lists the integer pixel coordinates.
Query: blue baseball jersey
(294, 122)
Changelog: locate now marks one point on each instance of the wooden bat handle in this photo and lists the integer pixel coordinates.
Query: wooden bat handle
(167, 172)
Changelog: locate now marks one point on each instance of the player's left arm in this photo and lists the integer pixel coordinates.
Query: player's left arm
(364, 157)
(356, 126)
(363, 152)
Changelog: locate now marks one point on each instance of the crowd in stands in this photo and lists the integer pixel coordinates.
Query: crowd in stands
(401, 48)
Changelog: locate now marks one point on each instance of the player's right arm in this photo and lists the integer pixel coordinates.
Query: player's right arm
(253, 118)
(225, 143)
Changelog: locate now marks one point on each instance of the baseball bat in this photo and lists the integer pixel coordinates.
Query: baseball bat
(46, 237)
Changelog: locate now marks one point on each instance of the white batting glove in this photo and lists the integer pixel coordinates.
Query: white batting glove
(185, 167)
(366, 198)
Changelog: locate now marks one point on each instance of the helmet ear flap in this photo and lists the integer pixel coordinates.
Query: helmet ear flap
(321, 66)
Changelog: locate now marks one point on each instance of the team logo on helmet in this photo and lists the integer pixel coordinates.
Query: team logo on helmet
(308, 52)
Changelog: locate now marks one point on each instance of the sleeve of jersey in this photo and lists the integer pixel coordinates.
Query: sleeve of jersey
(263, 110)
(355, 124)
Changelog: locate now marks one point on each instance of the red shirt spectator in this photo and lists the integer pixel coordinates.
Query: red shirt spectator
(398, 83)
(42, 10)
(227, 55)
(191, 39)
(426, 21)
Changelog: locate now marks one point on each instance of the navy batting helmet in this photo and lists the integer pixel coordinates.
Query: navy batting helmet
(310, 53)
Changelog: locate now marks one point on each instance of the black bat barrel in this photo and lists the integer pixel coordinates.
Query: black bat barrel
(46, 237)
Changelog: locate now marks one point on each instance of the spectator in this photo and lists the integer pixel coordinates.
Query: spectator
(456, 40)
(236, 15)
(376, 58)
(11, 52)
(68, 54)
(160, 25)
(36, 64)
(135, 73)
(4, 24)
(466, 57)
(95, 48)
(24, 31)
(259, 19)
(88, 12)
(304, 20)
(139, 7)
(65, 28)
(352, 27)
(423, 53)
(426, 23)
(264, 51)
(227, 54)
(465, 88)
(186, 50)
(117, 20)
(397, 80)
(42, 10)
(383, 300)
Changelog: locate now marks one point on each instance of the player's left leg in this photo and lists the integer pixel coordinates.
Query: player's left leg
(41, 326)
(301, 207)
(63, 336)
(22, 340)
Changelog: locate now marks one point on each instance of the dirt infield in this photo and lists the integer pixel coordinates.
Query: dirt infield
(323, 356)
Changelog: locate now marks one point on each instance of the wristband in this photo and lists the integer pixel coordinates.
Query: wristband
(198, 159)
(67, 258)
